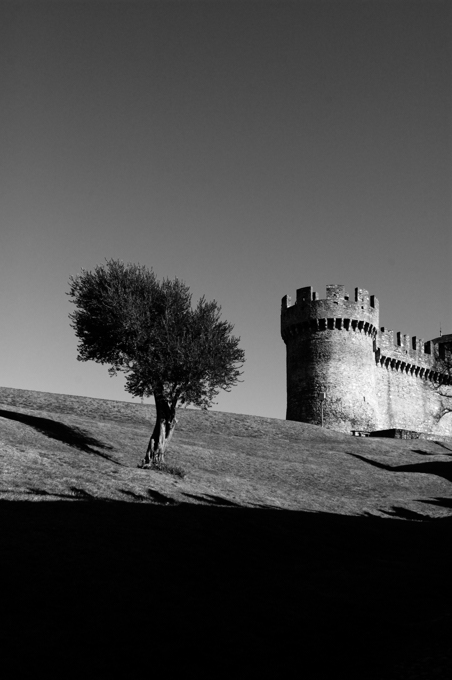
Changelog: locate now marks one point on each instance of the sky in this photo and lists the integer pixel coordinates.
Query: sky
(249, 148)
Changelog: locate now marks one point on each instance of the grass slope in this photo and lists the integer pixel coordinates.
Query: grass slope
(216, 572)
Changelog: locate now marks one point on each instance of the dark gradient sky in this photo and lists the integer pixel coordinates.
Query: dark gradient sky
(249, 148)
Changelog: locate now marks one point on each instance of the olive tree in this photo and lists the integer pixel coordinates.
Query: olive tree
(148, 329)
(443, 374)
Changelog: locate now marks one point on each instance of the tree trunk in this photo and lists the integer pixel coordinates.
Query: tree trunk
(162, 433)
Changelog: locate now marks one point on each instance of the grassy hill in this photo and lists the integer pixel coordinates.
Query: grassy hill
(282, 543)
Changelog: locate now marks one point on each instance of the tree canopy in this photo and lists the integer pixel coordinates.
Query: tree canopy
(443, 366)
(148, 329)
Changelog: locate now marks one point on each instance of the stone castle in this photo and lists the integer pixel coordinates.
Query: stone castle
(347, 373)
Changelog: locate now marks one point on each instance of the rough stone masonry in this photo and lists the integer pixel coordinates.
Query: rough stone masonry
(347, 372)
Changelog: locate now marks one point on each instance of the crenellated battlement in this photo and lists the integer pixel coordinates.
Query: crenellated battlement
(403, 343)
(335, 293)
(401, 346)
(336, 305)
(371, 377)
(413, 356)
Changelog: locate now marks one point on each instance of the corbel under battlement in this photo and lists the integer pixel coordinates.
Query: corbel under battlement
(331, 323)
(424, 372)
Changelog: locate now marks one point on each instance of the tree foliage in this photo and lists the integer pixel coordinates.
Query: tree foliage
(443, 385)
(148, 329)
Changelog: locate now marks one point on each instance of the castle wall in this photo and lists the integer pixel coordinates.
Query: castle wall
(372, 379)
(403, 401)
(405, 380)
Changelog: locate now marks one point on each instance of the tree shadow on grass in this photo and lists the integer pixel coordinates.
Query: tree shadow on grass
(72, 436)
(434, 453)
(443, 446)
(440, 468)
(153, 496)
(212, 499)
(34, 491)
(441, 502)
(405, 513)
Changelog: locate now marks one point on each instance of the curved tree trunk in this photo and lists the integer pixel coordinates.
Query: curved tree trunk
(162, 433)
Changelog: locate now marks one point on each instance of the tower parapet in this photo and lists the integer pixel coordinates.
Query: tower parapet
(363, 309)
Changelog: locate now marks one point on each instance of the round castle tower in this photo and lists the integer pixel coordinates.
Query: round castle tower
(330, 358)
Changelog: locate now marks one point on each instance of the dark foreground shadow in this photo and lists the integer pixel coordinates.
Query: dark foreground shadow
(92, 588)
(72, 436)
(440, 468)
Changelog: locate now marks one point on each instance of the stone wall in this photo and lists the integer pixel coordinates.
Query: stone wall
(373, 379)
(406, 382)
(332, 362)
